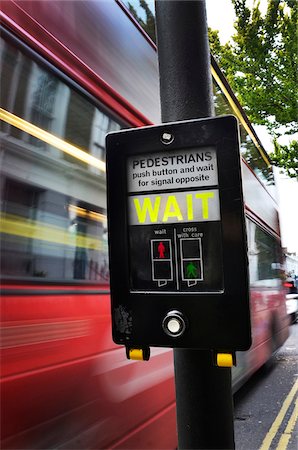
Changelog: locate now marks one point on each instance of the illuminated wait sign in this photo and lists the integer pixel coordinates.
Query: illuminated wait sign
(173, 207)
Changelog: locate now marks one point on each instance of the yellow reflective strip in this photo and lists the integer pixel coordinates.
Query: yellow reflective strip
(280, 417)
(50, 139)
(224, 360)
(136, 354)
(238, 114)
(13, 225)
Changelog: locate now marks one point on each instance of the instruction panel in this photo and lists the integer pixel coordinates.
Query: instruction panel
(174, 222)
(172, 170)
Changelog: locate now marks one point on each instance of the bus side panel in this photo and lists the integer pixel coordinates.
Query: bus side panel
(80, 27)
(269, 323)
(258, 201)
(38, 331)
(74, 388)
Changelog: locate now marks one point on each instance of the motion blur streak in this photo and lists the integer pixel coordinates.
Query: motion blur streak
(121, 388)
(82, 212)
(51, 139)
(35, 333)
(33, 229)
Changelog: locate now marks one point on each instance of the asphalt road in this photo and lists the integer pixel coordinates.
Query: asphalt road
(264, 408)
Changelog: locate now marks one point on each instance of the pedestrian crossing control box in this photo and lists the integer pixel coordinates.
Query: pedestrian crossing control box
(177, 240)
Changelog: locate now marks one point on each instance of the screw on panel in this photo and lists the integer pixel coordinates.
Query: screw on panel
(167, 138)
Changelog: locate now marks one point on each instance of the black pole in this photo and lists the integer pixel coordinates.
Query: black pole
(184, 60)
(203, 391)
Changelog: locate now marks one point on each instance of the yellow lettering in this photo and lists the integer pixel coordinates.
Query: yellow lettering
(172, 203)
(204, 196)
(189, 206)
(147, 208)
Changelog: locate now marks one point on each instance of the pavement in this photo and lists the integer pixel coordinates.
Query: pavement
(265, 415)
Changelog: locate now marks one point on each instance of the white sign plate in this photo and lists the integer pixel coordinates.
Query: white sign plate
(172, 170)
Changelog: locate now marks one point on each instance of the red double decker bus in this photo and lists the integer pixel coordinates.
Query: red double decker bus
(71, 72)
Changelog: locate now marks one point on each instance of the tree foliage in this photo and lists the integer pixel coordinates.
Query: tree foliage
(286, 157)
(260, 63)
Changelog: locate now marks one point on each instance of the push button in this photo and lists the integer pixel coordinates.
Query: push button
(174, 324)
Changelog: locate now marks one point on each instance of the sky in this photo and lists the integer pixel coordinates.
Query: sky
(221, 16)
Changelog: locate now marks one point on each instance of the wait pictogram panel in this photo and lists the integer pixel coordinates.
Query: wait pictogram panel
(162, 262)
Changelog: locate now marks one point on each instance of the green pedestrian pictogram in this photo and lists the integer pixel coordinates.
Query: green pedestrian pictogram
(191, 270)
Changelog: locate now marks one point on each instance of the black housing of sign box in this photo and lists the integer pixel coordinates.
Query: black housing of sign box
(217, 317)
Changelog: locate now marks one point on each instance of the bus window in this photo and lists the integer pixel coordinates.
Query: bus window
(40, 98)
(53, 195)
(265, 260)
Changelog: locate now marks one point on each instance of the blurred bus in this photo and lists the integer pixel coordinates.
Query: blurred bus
(71, 71)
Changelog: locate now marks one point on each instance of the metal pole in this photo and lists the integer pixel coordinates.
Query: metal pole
(203, 391)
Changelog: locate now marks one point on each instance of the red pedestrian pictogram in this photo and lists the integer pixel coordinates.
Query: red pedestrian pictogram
(161, 250)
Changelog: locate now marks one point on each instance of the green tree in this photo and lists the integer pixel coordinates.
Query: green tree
(260, 63)
(286, 157)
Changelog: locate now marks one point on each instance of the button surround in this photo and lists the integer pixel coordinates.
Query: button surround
(174, 324)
